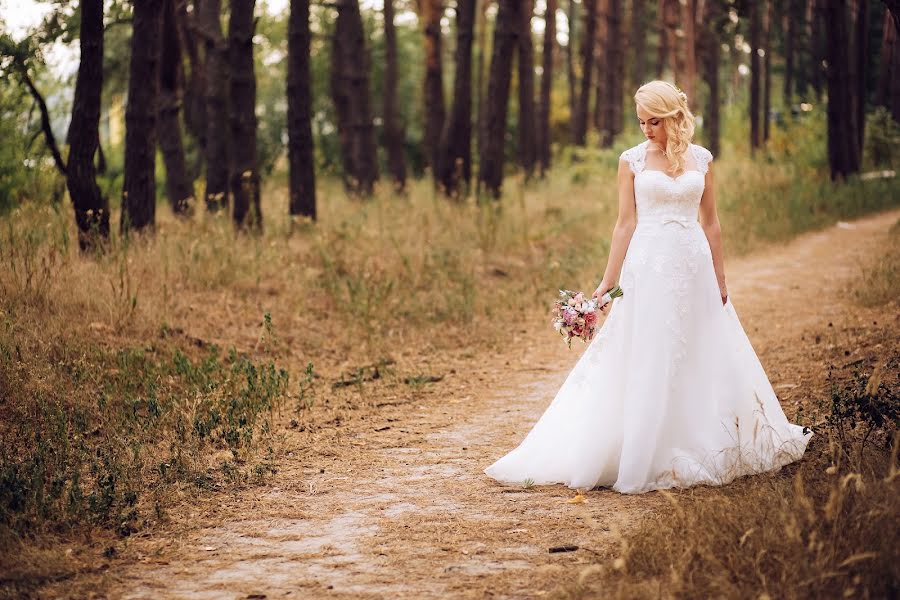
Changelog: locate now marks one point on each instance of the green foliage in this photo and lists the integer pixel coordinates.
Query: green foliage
(882, 138)
(156, 418)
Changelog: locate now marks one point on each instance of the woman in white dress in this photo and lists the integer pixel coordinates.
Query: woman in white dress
(670, 392)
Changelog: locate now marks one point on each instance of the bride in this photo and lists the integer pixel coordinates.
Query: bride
(670, 392)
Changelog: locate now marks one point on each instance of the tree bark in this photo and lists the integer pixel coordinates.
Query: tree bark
(638, 43)
(712, 52)
(842, 138)
(479, 78)
(792, 21)
(455, 157)
(141, 116)
(580, 122)
(889, 78)
(430, 12)
(216, 94)
(179, 187)
(686, 56)
(247, 212)
(543, 128)
(767, 69)
(195, 89)
(393, 129)
(611, 123)
(669, 14)
(861, 56)
(350, 92)
(572, 20)
(46, 128)
(506, 31)
(755, 75)
(299, 113)
(817, 48)
(91, 207)
(527, 121)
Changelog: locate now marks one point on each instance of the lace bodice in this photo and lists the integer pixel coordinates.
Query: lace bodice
(659, 196)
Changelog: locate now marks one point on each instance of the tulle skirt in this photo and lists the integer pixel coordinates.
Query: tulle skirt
(670, 393)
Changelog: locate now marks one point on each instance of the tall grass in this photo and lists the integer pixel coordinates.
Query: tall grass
(112, 388)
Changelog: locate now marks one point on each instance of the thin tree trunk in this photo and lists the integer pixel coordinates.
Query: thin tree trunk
(889, 78)
(615, 63)
(767, 68)
(601, 56)
(247, 212)
(527, 121)
(455, 163)
(393, 130)
(712, 52)
(195, 89)
(572, 20)
(482, 45)
(841, 129)
(179, 187)
(506, 31)
(350, 92)
(217, 131)
(91, 207)
(580, 125)
(46, 128)
(755, 76)
(141, 116)
(817, 48)
(669, 20)
(862, 54)
(792, 21)
(543, 129)
(638, 43)
(299, 113)
(430, 12)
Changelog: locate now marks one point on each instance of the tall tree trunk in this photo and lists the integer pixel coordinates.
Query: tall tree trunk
(685, 55)
(861, 56)
(301, 148)
(638, 42)
(543, 128)
(393, 130)
(580, 122)
(767, 68)
(455, 162)
(601, 55)
(842, 137)
(506, 31)
(712, 52)
(195, 89)
(889, 78)
(669, 21)
(817, 47)
(179, 187)
(217, 137)
(527, 121)
(430, 12)
(91, 207)
(350, 92)
(792, 21)
(247, 211)
(572, 20)
(613, 91)
(141, 115)
(755, 75)
(479, 78)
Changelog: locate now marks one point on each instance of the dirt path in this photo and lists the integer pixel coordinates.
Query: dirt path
(400, 507)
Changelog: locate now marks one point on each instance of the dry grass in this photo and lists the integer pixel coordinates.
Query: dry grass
(117, 371)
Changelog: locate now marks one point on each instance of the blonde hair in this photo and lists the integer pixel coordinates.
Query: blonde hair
(665, 101)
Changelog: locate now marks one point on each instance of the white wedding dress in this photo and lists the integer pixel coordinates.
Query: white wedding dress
(670, 392)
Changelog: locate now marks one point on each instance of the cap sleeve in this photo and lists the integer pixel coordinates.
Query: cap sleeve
(635, 157)
(703, 157)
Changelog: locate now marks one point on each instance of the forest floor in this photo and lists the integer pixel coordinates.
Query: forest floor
(393, 501)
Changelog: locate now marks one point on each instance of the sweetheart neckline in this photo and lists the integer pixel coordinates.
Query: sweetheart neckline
(676, 178)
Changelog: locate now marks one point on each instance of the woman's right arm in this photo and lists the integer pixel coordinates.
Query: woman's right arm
(622, 232)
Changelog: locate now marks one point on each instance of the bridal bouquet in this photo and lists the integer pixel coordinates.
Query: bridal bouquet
(574, 316)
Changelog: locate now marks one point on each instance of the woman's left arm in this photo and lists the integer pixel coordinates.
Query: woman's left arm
(709, 220)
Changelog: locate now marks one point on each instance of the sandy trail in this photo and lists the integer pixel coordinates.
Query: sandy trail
(398, 506)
